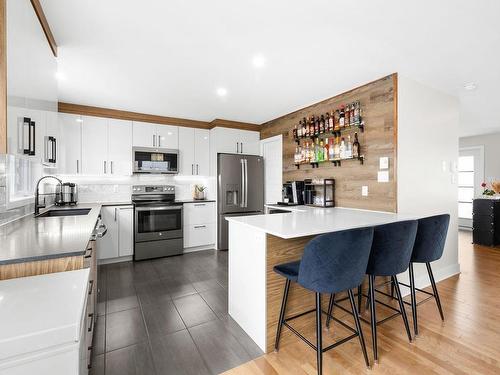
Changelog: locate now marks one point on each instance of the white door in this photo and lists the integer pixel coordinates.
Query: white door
(107, 246)
(202, 151)
(470, 178)
(249, 142)
(271, 151)
(126, 231)
(71, 130)
(120, 147)
(95, 145)
(186, 151)
(168, 136)
(144, 134)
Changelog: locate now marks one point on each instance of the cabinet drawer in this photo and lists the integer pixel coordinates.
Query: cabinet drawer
(199, 213)
(199, 235)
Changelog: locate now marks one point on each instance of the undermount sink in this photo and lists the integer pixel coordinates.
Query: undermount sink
(68, 212)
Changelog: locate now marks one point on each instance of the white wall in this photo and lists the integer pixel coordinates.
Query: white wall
(491, 143)
(428, 127)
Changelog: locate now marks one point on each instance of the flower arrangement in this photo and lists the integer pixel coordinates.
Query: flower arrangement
(199, 192)
(487, 190)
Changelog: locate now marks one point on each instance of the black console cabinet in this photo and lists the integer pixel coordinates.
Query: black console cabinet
(486, 222)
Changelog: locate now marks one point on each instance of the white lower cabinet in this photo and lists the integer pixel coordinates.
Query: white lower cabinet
(199, 224)
(119, 239)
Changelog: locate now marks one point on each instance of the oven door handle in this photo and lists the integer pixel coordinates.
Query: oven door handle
(158, 208)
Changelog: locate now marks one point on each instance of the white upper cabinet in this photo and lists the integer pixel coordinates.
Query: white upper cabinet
(120, 147)
(168, 136)
(194, 148)
(235, 141)
(154, 135)
(249, 142)
(71, 130)
(94, 145)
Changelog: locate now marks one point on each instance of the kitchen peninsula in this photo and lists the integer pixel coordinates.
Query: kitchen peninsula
(258, 243)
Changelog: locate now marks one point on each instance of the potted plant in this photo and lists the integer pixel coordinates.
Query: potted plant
(486, 190)
(199, 192)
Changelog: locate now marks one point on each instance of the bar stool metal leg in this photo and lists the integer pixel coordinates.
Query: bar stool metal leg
(360, 297)
(373, 320)
(413, 299)
(434, 290)
(282, 315)
(330, 309)
(402, 306)
(319, 339)
(358, 328)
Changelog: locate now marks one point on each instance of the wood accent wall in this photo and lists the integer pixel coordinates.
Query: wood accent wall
(3, 77)
(379, 109)
(85, 110)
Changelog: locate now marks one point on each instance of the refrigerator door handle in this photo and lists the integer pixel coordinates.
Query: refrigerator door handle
(246, 181)
(243, 192)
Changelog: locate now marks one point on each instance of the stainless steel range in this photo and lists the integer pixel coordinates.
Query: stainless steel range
(157, 222)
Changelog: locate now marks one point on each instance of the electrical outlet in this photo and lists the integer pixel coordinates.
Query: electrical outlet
(364, 191)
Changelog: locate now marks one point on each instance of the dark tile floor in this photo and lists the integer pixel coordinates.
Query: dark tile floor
(167, 316)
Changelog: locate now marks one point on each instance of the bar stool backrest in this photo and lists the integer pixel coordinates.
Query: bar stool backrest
(392, 247)
(431, 237)
(336, 261)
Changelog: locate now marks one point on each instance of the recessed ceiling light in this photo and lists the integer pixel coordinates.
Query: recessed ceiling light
(221, 91)
(259, 61)
(470, 86)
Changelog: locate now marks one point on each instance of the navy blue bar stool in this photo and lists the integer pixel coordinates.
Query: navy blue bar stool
(331, 263)
(429, 246)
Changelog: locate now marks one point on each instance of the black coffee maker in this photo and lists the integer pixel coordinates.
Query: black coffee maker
(293, 193)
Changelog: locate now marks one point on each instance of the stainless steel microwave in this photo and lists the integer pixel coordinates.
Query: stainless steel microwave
(155, 160)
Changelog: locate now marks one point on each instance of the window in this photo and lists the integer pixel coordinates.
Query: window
(465, 186)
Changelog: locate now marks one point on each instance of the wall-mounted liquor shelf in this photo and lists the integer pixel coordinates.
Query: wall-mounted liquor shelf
(333, 133)
(335, 162)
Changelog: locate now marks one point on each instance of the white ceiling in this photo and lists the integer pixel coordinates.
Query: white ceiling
(169, 57)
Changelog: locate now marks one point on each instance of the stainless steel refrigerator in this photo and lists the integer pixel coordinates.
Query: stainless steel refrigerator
(240, 190)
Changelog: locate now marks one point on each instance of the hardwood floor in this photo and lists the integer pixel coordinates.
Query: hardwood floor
(467, 343)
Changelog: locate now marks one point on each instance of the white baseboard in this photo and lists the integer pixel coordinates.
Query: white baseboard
(199, 248)
(423, 281)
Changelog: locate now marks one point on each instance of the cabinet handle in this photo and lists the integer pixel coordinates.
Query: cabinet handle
(91, 287)
(241, 147)
(154, 140)
(199, 204)
(116, 208)
(111, 166)
(89, 255)
(197, 172)
(104, 166)
(159, 141)
(91, 316)
(237, 147)
(77, 166)
(199, 226)
(192, 168)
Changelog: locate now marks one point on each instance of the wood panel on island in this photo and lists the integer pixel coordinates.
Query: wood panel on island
(322, 138)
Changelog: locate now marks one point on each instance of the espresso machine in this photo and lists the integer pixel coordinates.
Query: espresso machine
(292, 193)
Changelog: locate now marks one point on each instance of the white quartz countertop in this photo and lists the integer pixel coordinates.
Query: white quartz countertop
(40, 312)
(303, 221)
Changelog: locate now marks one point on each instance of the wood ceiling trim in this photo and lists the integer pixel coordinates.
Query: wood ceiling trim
(45, 25)
(3, 77)
(78, 109)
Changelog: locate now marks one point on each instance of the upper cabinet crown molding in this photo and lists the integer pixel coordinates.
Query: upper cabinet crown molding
(78, 109)
(45, 25)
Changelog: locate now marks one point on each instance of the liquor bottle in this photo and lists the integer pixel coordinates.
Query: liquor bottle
(306, 132)
(311, 127)
(331, 150)
(341, 117)
(355, 147)
(356, 113)
(331, 121)
(327, 122)
(295, 132)
(316, 126)
(304, 127)
(337, 120)
(322, 124)
(306, 153)
(342, 149)
(321, 151)
(296, 156)
(326, 149)
(348, 148)
(302, 154)
(351, 116)
(337, 148)
(347, 115)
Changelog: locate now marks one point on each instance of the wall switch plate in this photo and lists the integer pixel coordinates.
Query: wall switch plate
(384, 163)
(383, 176)
(364, 191)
